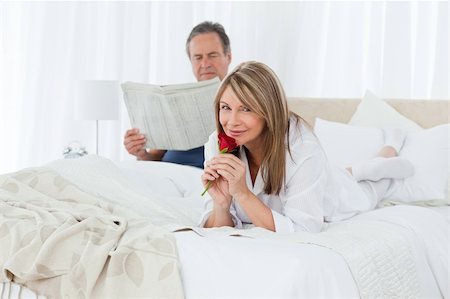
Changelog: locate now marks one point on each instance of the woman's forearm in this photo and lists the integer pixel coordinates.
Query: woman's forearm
(256, 210)
(219, 217)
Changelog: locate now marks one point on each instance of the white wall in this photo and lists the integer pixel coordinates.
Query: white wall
(332, 49)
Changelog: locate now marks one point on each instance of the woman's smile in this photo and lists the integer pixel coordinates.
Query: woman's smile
(235, 133)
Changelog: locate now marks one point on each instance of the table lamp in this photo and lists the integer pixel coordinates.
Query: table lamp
(97, 100)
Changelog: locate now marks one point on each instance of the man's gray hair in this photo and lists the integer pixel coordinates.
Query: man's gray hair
(208, 27)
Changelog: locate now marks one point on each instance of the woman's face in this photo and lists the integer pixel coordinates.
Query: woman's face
(239, 122)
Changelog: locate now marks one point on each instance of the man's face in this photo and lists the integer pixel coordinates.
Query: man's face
(207, 57)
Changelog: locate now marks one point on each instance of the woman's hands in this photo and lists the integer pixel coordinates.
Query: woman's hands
(227, 174)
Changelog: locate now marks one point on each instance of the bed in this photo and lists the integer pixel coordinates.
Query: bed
(91, 227)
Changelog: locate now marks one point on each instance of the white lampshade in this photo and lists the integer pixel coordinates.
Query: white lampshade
(97, 100)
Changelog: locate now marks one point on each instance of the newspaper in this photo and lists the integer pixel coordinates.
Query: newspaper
(172, 117)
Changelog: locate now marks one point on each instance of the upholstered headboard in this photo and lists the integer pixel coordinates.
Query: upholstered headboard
(426, 113)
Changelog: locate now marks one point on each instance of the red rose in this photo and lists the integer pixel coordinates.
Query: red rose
(227, 144)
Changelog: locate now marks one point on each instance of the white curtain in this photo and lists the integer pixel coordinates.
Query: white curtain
(318, 49)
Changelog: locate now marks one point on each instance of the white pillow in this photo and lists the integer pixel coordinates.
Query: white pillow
(428, 150)
(346, 145)
(374, 112)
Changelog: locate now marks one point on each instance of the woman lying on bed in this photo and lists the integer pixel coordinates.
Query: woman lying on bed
(280, 178)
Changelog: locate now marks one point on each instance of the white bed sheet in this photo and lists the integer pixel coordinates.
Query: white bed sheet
(239, 267)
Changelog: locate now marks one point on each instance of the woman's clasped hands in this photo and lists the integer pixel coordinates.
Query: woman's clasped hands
(227, 175)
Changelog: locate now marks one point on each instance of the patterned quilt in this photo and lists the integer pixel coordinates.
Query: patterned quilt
(62, 242)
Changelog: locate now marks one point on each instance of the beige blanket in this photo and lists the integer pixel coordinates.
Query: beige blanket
(64, 243)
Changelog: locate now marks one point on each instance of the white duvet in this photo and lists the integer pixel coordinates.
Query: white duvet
(263, 268)
(220, 266)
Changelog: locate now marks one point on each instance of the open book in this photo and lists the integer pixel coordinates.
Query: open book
(172, 117)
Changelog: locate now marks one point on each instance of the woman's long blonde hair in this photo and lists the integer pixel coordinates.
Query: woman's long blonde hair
(259, 89)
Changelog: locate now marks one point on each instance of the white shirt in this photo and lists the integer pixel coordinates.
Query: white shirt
(313, 193)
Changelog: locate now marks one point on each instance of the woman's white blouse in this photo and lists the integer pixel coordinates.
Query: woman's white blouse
(313, 192)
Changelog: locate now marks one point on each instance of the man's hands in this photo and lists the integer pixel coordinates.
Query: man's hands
(134, 143)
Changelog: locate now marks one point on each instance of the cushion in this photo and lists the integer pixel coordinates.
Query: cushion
(374, 112)
(428, 151)
(346, 145)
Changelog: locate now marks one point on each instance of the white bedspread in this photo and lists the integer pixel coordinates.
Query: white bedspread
(310, 270)
(377, 254)
(298, 270)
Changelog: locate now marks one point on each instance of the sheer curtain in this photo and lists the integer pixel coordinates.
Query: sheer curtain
(331, 49)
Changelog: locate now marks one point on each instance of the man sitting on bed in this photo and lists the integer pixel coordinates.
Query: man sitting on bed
(208, 49)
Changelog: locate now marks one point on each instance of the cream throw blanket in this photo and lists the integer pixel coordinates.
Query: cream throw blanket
(62, 242)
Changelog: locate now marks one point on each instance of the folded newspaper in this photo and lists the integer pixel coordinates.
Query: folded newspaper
(172, 117)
